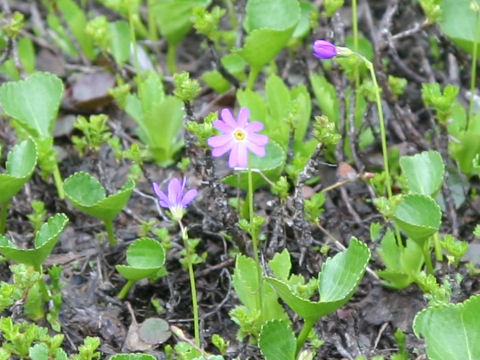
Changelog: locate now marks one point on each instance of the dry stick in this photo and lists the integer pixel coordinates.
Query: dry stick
(220, 68)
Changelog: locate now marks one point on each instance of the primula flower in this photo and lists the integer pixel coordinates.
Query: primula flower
(238, 137)
(175, 200)
(324, 49)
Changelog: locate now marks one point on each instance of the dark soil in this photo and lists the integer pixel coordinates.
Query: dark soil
(366, 325)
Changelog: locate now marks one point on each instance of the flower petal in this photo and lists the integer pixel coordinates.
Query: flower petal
(163, 199)
(243, 117)
(254, 126)
(219, 140)
(221, 150)
(174, 188)
(227, 117)
(189, 196)
(258, 139)
(233, 159)
(242, 158)
(259, 150)
(222, 126)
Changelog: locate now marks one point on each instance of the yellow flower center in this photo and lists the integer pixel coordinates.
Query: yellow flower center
(239, 134)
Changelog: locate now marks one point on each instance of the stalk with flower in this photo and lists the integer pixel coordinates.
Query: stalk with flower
(239, 138)
(176, 201)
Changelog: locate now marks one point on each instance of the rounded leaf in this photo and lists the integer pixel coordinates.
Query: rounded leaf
(154, 331)
(424, 172)
(45, 241)
(418, 216)
(277, 341)
(450, 331)
(132, 357)
(88, 195)
(21, 162)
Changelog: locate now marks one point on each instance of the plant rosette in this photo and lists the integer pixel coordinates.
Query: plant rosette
(88, 195)
(145, 259)
(21, 161)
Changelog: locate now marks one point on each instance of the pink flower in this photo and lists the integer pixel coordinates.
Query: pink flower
(324, 49)
(175, 200)
(238, 137)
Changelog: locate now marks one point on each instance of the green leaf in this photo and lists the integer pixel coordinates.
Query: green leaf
(267, 35)
(21, 161)
(271, 165)
(281, 265)
(77, 22)
(278, 98)
(33, 102)
(120, 41)
(326, 96)
(174, 17)
(424, 172)
(418, 216)
(45, 241)
(216, 81)
(458, 22)
(38, 352)
(304, 24)
(154, 331)
(277, 341)
(145, 256)
(26, 52)
(88, 195)
(337, 282)
(451, 331)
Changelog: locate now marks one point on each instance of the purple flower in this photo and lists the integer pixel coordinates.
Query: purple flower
(238, 137)
(324, 49)
(175, 200)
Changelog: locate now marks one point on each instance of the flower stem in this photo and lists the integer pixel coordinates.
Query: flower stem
(383, 135)
(125, 289)
(253, 234)
(171, 61)
(58, 181)
(193, 288)
(428, 259)
(152, 28)
(302, 337)
(3, 216)
(133, 38)
(111, 235)
(473, 76)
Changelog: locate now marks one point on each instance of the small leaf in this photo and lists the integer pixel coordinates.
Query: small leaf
(33, 102)
(424, 172)
(145, 257)
(21, 161)
(418, 216)
(38, 352)
(451, 331)
(45, 241)
(277, 341)
(281, 265)
(88, 195)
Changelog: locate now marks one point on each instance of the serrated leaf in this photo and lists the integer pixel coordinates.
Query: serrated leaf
(277, 341)
(145, 256)
(38, 352)
(418, 216)
(424, 172)
(88, 195)
(271, 165)
(337, 282)
(21, 161)
(451, 331)
(33, 102)
(281, 265)
(45, 241)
